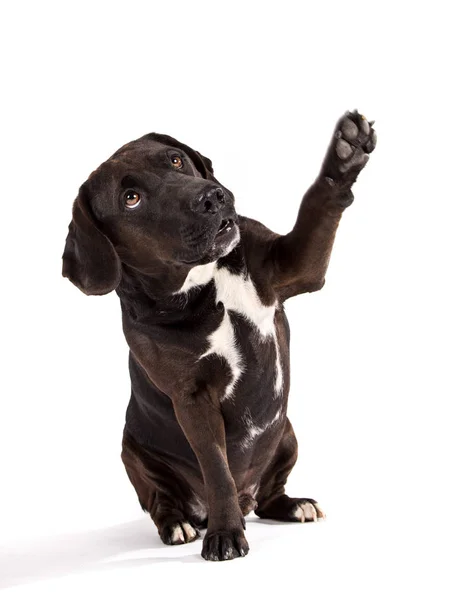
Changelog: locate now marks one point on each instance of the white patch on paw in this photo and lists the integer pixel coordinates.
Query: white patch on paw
(307, 512)
(189, 531)
(177, 535)
(228, 554)
(320, 512)
(299, 514)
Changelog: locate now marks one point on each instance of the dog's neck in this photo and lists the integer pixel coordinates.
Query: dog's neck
(157, 283)
(171, 293)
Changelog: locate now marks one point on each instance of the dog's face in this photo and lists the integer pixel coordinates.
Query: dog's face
(154, 201)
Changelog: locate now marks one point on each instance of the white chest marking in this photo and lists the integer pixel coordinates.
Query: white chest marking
(199, 275)
(237, 293)
(240, 295)
(222, 343)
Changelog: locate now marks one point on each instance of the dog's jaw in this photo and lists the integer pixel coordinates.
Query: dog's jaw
(230, 244)
(220, 246)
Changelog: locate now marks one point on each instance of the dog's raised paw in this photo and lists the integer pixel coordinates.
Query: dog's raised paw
(354, 140)
(307, 510)
(181, 532)
(224, 545)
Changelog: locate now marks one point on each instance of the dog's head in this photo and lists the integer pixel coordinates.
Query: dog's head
(154, 201)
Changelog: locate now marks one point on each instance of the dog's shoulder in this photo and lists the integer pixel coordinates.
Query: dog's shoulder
(255, 232)
(256, 239)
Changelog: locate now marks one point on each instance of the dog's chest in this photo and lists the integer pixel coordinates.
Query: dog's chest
(246, 337)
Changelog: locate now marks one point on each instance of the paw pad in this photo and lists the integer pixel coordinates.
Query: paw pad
(354, 139)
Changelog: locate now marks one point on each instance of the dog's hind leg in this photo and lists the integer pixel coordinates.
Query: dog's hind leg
(161, 493)
(171, 522)
(272, 501)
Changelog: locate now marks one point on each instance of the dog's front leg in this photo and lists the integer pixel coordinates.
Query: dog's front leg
(298, 261)
(202, 422)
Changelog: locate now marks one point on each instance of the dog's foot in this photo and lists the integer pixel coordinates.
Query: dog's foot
(181, 532)
(353, 141)
(284, 508)
(306, 510)
(224, 545)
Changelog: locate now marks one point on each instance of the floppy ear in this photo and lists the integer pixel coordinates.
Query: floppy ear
(89, 260)
(202, 163)
(208, 166)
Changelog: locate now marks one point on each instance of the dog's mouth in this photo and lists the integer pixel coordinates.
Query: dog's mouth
(226, 226)
(211, 243)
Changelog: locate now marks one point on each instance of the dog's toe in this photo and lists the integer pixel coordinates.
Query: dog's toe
(224, 545)
(179, 533)
(354, 139)
(349, 129)
(307, 510)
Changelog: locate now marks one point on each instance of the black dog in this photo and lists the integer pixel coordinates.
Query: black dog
(207, 438)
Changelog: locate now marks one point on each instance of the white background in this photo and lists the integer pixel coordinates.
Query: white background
(257, 87)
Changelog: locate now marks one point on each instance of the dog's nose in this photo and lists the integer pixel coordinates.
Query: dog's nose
(209, 201)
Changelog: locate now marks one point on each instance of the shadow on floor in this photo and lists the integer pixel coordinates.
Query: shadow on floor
(69, 554)
(98, 550)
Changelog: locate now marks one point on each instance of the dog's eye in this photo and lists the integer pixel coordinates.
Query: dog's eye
(176, 161)
(132, 199)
